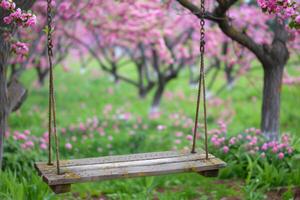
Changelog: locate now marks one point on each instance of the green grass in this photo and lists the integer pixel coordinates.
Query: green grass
(84, 95)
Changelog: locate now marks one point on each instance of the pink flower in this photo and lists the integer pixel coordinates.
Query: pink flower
(225, 149)
(232, 141)
(275, 149)
(7, 133)
(7, 20)
(290, 150)
(263, 155)
(27, 132)
(161, 127)
(31, 21)
(43, 146)
(189, 137)
(5, 4)
(222, 139)
(45, 135)
(21, 137)
(29, 144)
(179, 134)
(82, 127)
(20, 48)
(281, 155)
(297, 19)
(68, 146)
(264, 147)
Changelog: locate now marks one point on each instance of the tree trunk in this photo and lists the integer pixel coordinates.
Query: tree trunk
(229, 76)
(273, 71)
(3, 94)
(157, 98)
(271, 101)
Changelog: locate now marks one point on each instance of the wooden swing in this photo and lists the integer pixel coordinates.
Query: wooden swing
(61, 174)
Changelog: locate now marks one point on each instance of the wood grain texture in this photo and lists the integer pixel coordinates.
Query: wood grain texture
(128, 166)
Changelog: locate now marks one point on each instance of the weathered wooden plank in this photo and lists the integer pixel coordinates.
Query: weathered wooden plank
(132, 171)
(124, 158)
(188, 157)
(136, 165)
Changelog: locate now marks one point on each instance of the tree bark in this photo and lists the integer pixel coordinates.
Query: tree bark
(273, 72)
(271, 101)
(157, 98)
(4, 107)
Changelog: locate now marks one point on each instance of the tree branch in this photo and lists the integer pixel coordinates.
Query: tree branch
(238, 36)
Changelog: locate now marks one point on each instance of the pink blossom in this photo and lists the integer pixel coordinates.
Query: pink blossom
(43, 146)
(5, 4)
(290, 150)
(281, 155)
(29, 144)
(225, 149)
(232, 141)
(31, 21)
(275, 149)
(27, 132)
(7, 20)
(82, 127)
(161, 127)
(179, 134)
(285, 138)
(7, 133)
(46, 135)
(21, 137)
(20, 48)
(297, 19)
(68, 146)
(264, 147)
(189, 137)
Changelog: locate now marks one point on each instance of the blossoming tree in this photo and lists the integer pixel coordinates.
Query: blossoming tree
(273, 55)
(13, 15)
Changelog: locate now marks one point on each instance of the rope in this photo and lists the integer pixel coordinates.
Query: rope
(52, 110)
(201, 84)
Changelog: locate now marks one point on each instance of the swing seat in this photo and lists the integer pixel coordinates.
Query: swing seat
(127, 166)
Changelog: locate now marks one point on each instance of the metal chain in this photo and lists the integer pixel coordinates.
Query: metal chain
(201, 83)
(52, 111)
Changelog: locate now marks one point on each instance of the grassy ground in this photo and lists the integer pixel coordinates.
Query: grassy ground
(82, 94)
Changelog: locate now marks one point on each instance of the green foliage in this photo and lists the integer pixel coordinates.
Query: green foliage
(18, 160)
(14, 187)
